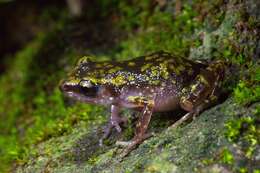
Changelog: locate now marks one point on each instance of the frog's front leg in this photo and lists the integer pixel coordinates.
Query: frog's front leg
(141, 126)
(114, 122)
(203, 92)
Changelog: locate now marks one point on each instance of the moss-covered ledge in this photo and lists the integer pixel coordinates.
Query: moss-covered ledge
(191, 147)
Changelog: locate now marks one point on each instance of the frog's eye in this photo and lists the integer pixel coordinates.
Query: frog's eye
(88, 89)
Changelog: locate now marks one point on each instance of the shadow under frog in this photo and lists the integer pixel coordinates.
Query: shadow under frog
(158, 82)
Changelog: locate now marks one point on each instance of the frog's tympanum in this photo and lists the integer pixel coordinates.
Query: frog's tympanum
(154, 83)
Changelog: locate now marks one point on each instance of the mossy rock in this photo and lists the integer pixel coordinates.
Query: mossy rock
(44, 132)
(182, 149)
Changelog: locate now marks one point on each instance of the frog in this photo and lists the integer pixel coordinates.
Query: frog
(158, 82)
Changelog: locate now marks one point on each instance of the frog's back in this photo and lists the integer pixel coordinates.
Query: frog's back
(153, 69)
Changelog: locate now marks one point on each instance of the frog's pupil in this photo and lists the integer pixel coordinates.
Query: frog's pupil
(92, 91)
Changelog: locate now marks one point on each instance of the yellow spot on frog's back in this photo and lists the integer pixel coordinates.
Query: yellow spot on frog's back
(131, 78)
(109, 66)
(184, 90)
(118, 80)
(146, 66)
(98, 65)
(190, 71)
(150, 57)
(147, 78)
(178, 69)
(172, 67)
(100, 72)
(141, 100)
(160, 59)
(131, 63)
(193, 87)
(155, 82)
(132, 98)
(106, 65)
(92, 79)
(83, 60)
(103, 81)
(203, 80)
(182, 68)
(73, 81)
(174, 82)
(170, 60)
(164, 70)
(188, 64)
(154, 71)
(213, 97)
(166, 54)
(114, 69)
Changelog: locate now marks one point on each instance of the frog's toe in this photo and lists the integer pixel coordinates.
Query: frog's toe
(100, 142)
(134, 141)
(131, 145)
(107, 132)
(117, 127)
(124, 143)
(119, 120)
(116, 123)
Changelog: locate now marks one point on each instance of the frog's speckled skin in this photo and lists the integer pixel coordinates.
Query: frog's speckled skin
(154, 83)
(153, 69)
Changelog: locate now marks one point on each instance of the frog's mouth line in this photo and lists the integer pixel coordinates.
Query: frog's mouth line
(77, 96)
(76, 93)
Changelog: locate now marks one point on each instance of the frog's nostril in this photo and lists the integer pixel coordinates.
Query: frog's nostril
(64, 87)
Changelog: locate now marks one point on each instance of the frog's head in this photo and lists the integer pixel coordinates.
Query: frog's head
(79, 87)
(86, 91)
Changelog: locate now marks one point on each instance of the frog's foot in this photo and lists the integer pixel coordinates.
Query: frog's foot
(182, 120)
(131, 145)
(113, 123)
(192, 114)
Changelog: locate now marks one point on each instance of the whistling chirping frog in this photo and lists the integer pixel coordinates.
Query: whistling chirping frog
(154, 83)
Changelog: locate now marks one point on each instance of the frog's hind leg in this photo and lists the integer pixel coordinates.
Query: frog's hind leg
(114, 122)
(203, 92)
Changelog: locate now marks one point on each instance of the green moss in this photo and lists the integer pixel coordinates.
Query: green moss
(158, 31)
(32, 107)
(248, 89)
(227, 157)
(244, 94)
(12, 98)
(161, 164)
(256, 171)
(244, 128)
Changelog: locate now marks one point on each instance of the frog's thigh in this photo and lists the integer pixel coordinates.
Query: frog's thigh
(201, 92)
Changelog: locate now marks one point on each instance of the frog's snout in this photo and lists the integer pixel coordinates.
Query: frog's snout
(64, 86)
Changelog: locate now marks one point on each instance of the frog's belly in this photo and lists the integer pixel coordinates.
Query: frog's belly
(163, 104)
